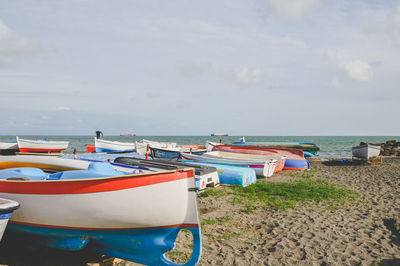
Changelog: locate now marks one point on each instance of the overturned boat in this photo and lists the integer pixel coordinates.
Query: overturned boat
(366, 151)
(116, 211)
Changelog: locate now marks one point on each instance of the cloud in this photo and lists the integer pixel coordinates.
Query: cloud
(359, 70)
(336, 84)
(293, 10)
(63, 108)
(11, 45)
(243, 77)
(194, 70)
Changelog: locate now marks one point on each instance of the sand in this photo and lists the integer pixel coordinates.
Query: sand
(360, 233)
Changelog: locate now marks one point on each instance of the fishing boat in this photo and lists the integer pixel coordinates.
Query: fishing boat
(294, 158)
(134, 217)
(122, 134)
(366, 151)
(173, 153)
(219, 134)
(264, 166)
(309, 148)
(205, 175)
(102, 145)
(6, 209)
(8, 147)
(41, 145)
(141, 146)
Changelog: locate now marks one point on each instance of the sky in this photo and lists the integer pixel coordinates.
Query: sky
(180, 67)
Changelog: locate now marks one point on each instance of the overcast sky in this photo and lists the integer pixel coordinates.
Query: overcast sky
(263, 67)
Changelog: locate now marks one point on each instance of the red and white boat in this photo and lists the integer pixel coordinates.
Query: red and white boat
(27, 145)
(130, 216)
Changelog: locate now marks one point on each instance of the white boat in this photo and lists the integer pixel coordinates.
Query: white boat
(141, 146)
(134, 217)
(27, 145)
(6, 209)
(102, 145)
(366, 151)
(263, 165)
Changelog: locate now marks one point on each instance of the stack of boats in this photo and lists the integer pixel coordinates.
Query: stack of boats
(125, 206)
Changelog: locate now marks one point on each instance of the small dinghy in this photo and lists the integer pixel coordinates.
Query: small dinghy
(264, 166)
(6, 209)
(366, 151)
(173, 153)
(107, 209)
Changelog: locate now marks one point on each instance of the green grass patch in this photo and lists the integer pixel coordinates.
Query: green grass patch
(222, 191)
(208, 221)
(284, 195)
(306, 174)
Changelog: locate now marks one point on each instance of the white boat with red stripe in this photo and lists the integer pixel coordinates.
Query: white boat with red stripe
(132, 216)
(27, 145)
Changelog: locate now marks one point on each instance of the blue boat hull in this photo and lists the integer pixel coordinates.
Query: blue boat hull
(112, 151)
(145, 246)
(291, 164)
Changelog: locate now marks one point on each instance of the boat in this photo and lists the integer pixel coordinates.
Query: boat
(231, 174)
(173, 153)
(134, 217)
(8, 147)
(102, 145)
(6, 209)
(90, 147)
(294, 158)
(141, 146)
(205, 175)
(310, 148)
(41, 145)
(264, 166)
(366, 151)
(126, 134)
(219, 134)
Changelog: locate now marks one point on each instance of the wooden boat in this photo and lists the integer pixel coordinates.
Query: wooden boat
(294, 158)
(264, 166)
(231, 174)
(310, 148)
(6, 209)
(204, 175)
(141, 146)
(134, 217)
(102, 145)
(26, 145)
(8, 147)
(366, 151)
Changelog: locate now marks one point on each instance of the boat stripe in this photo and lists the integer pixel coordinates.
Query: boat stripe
(103, 229)
(93, 185)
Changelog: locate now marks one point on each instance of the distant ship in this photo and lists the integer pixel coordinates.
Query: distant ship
(127, 134)
(218, 134)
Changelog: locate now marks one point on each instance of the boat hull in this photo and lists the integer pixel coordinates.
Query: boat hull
(294, 158)
(102, 145)
(6, 209)
(366, 151)
(134, 217)
(26, 145)
(308, 147)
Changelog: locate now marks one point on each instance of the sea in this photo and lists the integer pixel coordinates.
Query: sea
(330, 146)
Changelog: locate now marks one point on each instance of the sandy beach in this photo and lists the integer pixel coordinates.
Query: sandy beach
(360, 232)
